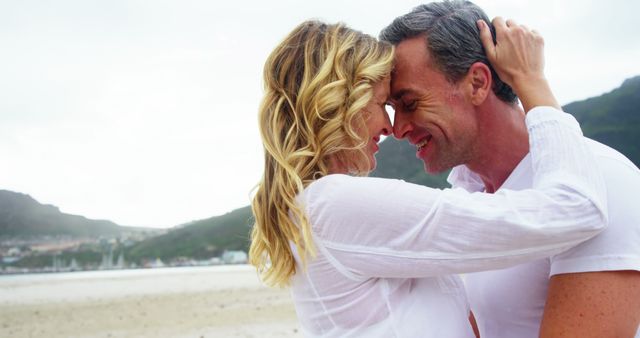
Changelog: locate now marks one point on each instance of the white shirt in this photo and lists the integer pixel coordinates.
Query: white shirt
(510, 302)
(387, 249)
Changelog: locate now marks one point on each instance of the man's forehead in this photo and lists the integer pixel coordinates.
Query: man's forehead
(412, 49)
(412, 68)
(399, 86)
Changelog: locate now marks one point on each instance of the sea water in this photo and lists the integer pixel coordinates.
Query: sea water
(108, 284)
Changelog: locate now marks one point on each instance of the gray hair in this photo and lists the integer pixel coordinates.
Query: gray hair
(453, 39)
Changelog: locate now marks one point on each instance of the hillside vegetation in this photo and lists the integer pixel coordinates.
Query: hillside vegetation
(200, 240)
(22, 216)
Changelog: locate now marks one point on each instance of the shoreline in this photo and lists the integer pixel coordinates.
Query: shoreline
(28, 272)
(202, 302)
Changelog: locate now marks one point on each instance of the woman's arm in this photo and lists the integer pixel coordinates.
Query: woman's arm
(389, 228)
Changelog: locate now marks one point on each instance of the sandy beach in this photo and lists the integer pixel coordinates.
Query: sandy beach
(222, 301)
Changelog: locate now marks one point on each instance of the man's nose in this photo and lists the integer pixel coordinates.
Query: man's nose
(387, 128)
(401, 127)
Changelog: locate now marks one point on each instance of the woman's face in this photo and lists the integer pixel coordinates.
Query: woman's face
(376, 119)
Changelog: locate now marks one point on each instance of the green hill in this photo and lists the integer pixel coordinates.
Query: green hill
(613, 118)
(21, 216)
(200, 239)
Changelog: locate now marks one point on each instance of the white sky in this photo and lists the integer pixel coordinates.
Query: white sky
(144, 112)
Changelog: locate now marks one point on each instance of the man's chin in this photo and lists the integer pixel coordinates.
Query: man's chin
(432, 168)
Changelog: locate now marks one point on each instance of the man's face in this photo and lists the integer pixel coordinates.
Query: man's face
(430, 112)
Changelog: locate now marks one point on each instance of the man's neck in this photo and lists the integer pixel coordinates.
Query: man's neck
(503, 144)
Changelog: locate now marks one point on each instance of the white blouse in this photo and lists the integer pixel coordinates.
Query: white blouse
(387, 249)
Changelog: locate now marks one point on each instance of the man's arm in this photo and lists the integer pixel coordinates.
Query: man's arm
(592, 304)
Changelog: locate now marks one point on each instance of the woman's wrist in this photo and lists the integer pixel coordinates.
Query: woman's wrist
(534, 91)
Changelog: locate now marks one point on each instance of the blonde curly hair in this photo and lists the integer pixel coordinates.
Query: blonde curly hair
(317, 82)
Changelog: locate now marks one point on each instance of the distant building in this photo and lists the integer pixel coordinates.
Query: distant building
(10, 259)
(234, 257)
(158, 263)
(15, 252)
(12, 255)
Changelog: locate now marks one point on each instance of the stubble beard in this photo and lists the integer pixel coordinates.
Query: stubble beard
(447, 156)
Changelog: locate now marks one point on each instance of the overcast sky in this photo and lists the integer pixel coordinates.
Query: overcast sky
(144, 112)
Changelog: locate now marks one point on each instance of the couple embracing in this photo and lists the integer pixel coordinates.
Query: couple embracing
(540, 219)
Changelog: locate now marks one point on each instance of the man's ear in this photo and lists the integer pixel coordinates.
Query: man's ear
(478, 83)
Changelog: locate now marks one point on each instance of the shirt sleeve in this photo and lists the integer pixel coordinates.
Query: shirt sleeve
(618, 246)
(389, 228)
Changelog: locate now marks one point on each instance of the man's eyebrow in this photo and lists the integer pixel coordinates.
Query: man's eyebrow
(396, 96)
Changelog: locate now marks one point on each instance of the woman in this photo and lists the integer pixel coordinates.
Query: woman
(374, 257)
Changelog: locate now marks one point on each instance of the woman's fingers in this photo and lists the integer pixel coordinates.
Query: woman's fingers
(487, 40)
(518, 58)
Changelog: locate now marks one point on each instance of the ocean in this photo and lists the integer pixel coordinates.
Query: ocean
(87, 285)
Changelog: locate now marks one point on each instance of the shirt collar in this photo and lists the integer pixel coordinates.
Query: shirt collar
(463, 177)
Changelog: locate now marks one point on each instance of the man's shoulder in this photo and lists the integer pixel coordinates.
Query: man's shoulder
(611, 156)
(618, 246)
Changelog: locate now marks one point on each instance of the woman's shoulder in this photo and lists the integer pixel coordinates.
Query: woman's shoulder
(357, 191)
(341, 183)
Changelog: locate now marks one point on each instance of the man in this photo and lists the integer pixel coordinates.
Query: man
(451, 104)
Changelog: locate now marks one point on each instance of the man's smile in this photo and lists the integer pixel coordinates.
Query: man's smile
(423, 143)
